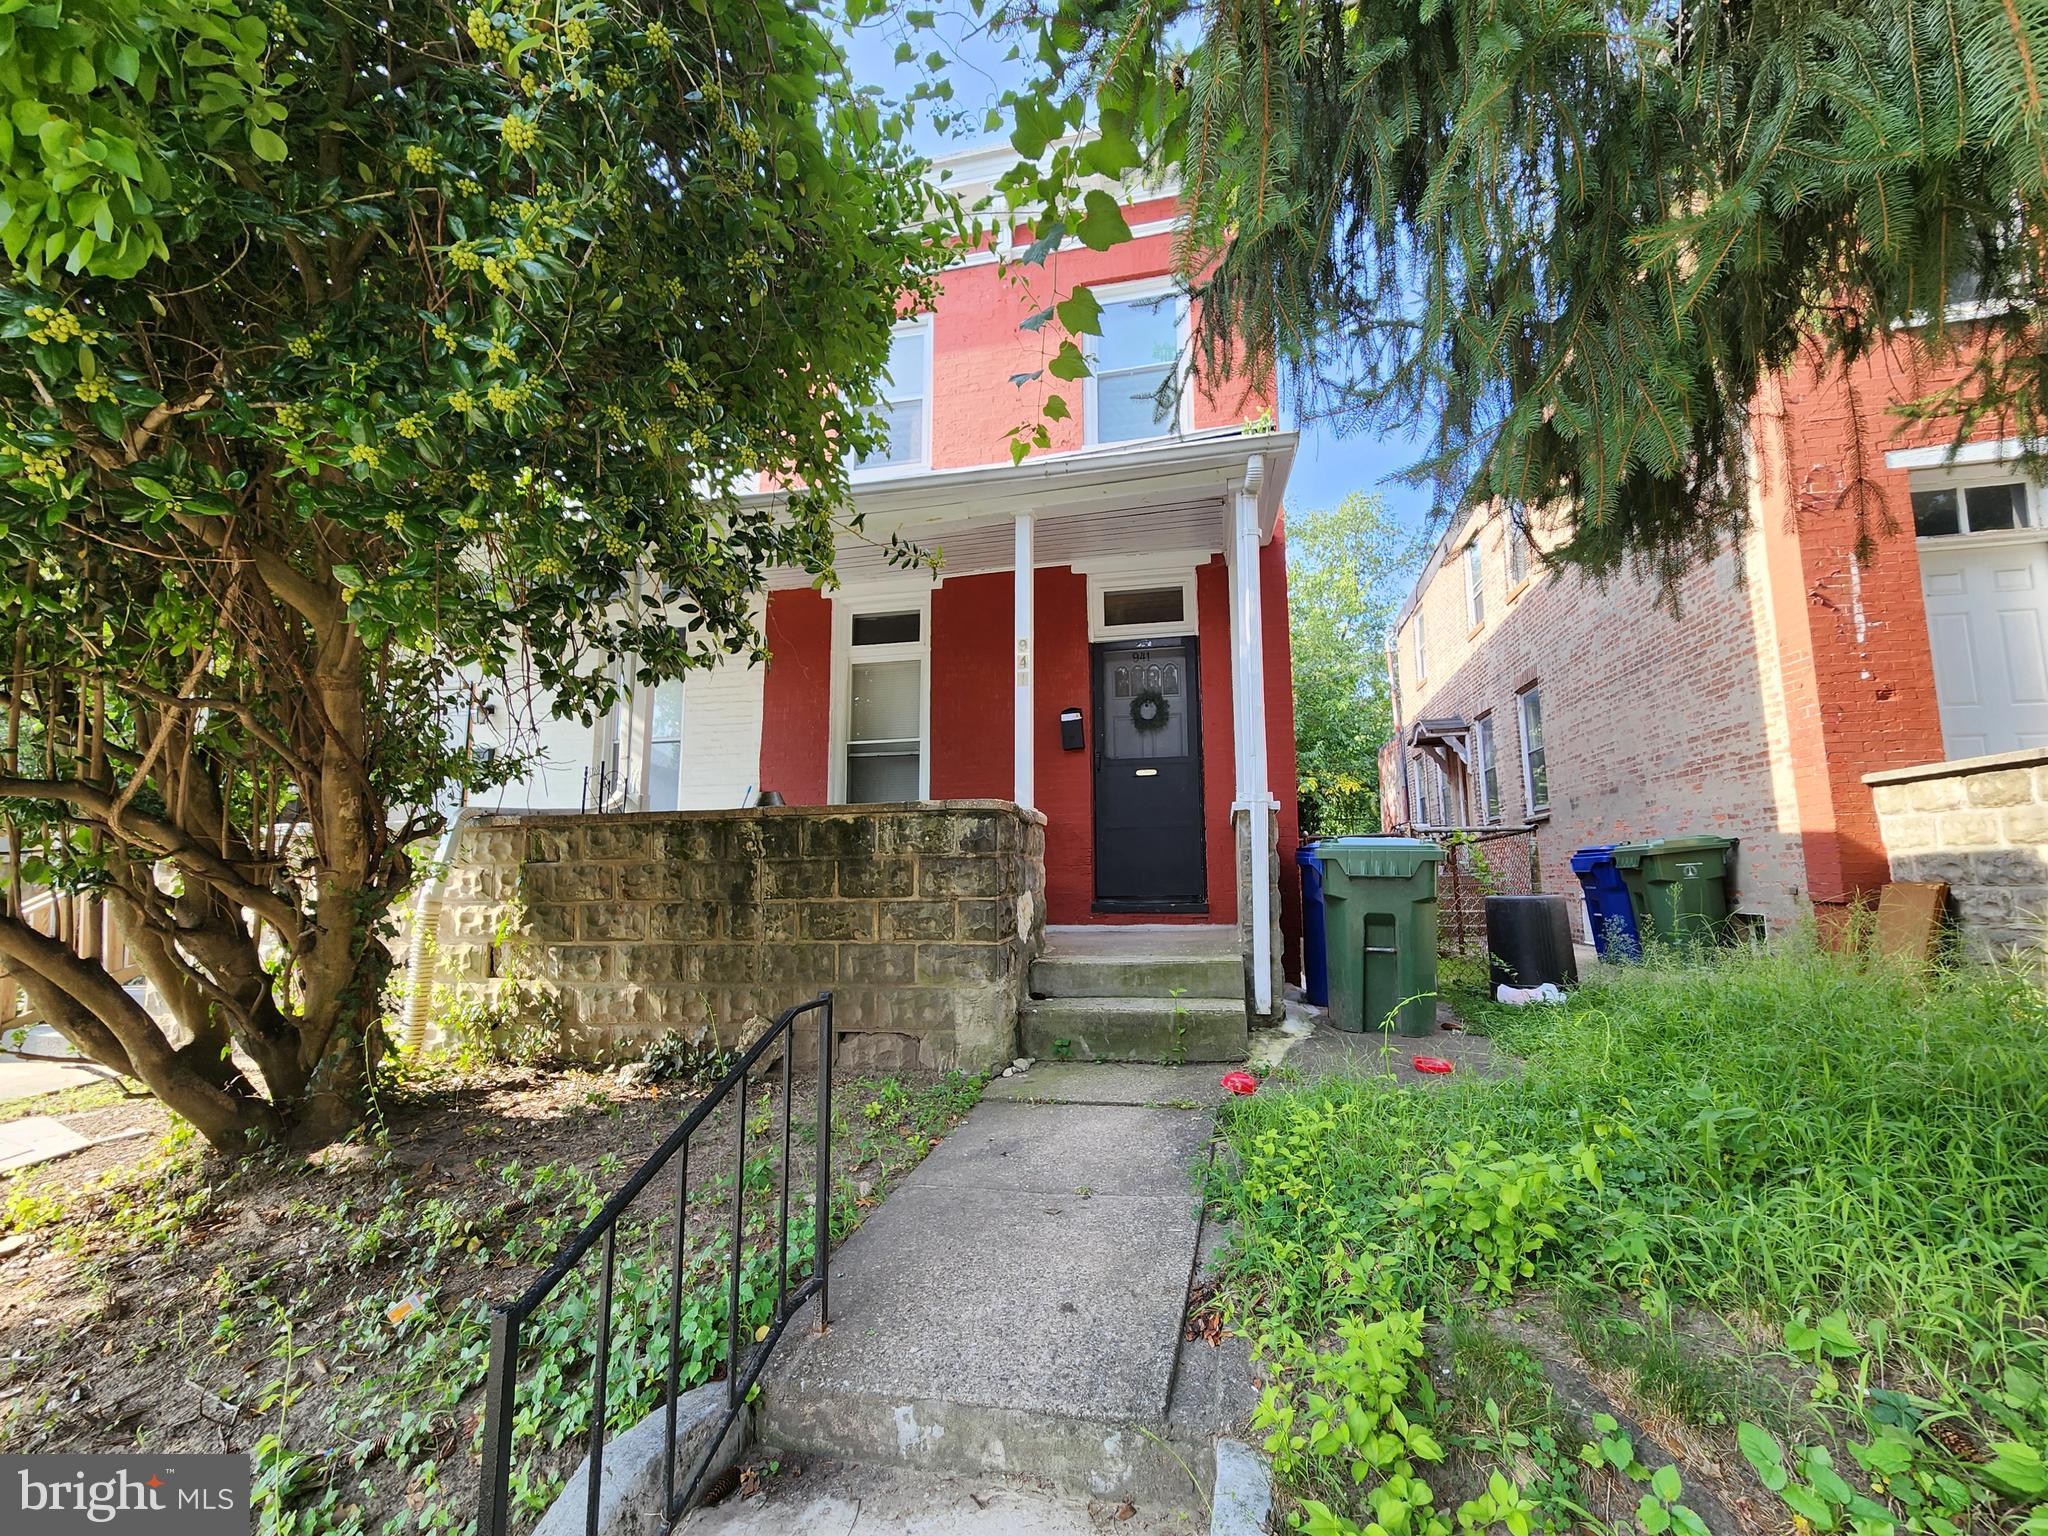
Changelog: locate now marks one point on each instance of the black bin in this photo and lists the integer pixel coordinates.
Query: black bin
(1529, 941)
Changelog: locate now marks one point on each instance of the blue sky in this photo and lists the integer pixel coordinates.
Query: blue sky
(1328, 467)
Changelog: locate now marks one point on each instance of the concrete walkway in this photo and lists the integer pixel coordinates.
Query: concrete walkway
(1017, 1304)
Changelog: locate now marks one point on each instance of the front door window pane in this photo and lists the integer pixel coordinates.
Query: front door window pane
(1997, 506)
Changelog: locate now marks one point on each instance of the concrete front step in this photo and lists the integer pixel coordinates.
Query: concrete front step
(1099, 1458)
(1135, 1029)
(1151, 976)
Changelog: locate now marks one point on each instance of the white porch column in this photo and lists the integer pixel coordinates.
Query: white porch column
(1025, 788)
(1248, 684)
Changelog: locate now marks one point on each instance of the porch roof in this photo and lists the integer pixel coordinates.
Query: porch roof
(1082, 501)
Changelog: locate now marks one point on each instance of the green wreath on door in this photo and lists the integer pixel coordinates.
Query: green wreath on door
(1149, 710)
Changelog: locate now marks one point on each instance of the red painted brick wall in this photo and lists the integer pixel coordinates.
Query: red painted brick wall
(1066, 785)
(972, 688)
(978, 346)
(796, 696)
(1867, 670)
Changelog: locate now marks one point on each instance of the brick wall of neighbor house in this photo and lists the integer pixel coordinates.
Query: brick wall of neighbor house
(1654, 724)
(1981, 824)
(1853, 627)
(921, 920)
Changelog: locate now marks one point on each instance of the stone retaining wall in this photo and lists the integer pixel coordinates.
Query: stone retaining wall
(1981, 824)
(922, 920)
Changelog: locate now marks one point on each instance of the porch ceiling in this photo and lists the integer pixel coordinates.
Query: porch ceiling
(973, 546)
(1122, 498)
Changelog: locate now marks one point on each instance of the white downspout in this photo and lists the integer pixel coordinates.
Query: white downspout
(1258, 801)
(426, 925)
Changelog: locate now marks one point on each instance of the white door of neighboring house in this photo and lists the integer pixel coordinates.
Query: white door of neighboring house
(1984, 576)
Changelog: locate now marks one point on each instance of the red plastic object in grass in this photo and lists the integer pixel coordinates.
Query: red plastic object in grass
(1431, 1064)
(1240, 1082)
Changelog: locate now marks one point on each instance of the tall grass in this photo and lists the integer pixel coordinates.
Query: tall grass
(1778, 1131)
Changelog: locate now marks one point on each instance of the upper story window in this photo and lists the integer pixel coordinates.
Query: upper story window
(1517, 551)
(906, 400)
(1475, 585)
(1134, 386)
(1421, 648)
(1992, 506)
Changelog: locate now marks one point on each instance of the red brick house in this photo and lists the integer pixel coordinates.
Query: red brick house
(1105, 640)
(1887, 607)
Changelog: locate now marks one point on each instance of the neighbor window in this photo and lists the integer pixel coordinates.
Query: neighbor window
(904, 393)
(1535, 775)
(1475, 586)
(1447, 812)
(1518, 552)
(1970, 509)
(1420, 780)
(1483, 765)
(1421, 649)
(885, 708)
(665, 746)
(1135, 370)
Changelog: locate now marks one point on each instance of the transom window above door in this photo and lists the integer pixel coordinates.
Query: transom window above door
(1994, 506)
(1134, 386)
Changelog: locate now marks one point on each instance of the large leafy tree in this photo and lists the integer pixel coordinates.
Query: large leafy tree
(1572, 239)
(350, 354)
(1347, 569)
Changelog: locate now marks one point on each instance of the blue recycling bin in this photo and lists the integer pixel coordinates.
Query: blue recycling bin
(1315, 960)
(1610, 915)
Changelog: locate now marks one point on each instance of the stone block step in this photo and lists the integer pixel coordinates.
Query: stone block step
(1148, 976)
(1135, 1029)
(1099, 1458)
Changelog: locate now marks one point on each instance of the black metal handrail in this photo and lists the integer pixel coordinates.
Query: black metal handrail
(494, 1511)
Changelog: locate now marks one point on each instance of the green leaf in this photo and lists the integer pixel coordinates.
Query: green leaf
(1761, 1450)
(1056, 408)
(2016, 1470)
(1080, 313)
(1666, 1484)
(1102, 221)
(267, 143)
(1803, 1501)
(1651, 1517)
(1068, 363)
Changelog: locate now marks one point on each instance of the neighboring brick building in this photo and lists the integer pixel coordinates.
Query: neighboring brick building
(1886, 607)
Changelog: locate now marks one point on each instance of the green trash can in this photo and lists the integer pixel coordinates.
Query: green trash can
(1678, 887)
(1379, 930)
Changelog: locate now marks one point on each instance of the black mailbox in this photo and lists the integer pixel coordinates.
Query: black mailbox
(1070, 730)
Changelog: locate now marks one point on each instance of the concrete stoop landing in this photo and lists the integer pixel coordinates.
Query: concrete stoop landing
(1017, 1305)
(1108, 993)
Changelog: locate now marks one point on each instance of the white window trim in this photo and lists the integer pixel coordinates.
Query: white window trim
(1107, 294)
(1961, 477)
(1125, 575)
(882, 597)
(922, 325)
(1473, 560)
(1516, 537)
(1421, 647)
(1530, 807)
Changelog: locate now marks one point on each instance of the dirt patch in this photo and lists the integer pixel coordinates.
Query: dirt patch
(329, 1314)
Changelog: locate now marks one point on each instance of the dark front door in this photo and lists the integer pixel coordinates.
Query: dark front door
(1148, 778)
